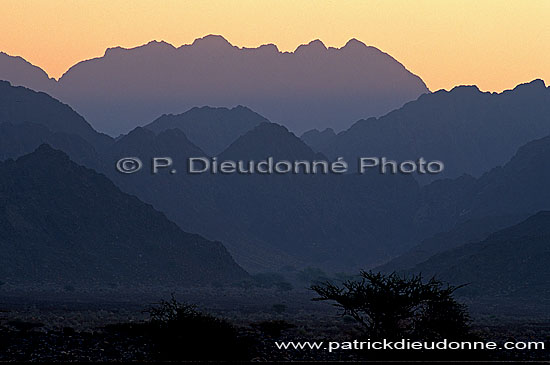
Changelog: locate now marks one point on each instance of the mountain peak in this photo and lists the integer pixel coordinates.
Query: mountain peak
(210, 128)
(151, 46)
(154, 42)
(141, 133)
(535, 85)
(45, 148)
(44, 155)
(269, 140)
(465, 89)
(316, 45)
(270, 128)
(64, 233)
(270, 47)
(212, 42)
(139, 84)
(355, 43)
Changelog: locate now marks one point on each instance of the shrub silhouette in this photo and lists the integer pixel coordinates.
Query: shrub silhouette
(179, 332)
(394, 307)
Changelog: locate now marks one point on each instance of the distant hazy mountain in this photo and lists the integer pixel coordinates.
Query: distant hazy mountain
(511, 262)
(212, 129)
(65, 224)
(164, 189)
(467, 209)
(312, 87)
(22, 73)
(520, 187)
(29, 119)
(20, 139)
(318, 140)
(463, 233)
(336, 222)
(190, 201)
(339, 223)
(469, 130)
(268, 222)
(269, 140)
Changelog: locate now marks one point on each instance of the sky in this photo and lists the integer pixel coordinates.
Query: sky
(494, 44)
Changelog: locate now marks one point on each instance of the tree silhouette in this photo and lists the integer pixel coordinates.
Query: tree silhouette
(391, 306)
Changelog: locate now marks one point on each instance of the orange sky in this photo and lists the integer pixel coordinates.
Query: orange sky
(495, 44)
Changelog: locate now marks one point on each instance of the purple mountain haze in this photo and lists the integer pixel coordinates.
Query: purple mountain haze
(312, 87)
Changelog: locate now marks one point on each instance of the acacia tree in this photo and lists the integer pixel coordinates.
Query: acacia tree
(391, 306)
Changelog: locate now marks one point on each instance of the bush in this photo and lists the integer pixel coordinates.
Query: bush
(394, 307)
(180, 332)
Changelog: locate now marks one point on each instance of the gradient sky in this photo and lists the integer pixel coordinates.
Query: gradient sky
(494, 44)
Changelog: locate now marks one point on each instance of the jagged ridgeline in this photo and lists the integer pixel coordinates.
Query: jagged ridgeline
(314, 86)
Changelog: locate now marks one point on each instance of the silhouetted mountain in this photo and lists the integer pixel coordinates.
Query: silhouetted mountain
(318, 140)
(269, 140)
(469, 130)
(22, 73)
(17, 140)
(320, 219)
(194, 202)
(142, 140)
(65, 224)
(511, 262)
(21, 105)
(159, 190)
(517, 188)
(335, 222)
(467, 209)
(271, 221)
(312, 87)
(470, 231)
(212, 129)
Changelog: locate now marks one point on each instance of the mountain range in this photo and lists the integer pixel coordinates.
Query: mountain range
(517, 188)
(314, 86)
(473, 230)
(512, 262)
(213, 129)
(469, 130)
(20, 105)
(337, 223)
(267, 219)
(65, 224)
